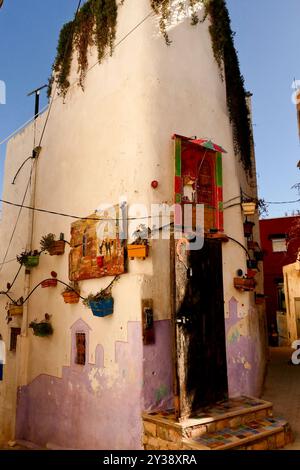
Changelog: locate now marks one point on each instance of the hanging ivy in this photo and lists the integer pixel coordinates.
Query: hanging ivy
(226, 56)
(163, 8)
(95, 24)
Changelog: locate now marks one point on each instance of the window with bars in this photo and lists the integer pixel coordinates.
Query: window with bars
(80, 348)
(14, 333)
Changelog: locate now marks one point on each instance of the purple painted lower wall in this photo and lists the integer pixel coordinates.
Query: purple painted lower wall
(88, 408)
(158, 369)
(243, 351)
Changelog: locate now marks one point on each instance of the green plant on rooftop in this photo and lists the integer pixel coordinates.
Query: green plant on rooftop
(226, 56)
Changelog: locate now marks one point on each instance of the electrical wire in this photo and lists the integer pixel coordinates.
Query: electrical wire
(16, 175)
(21, 206)
(71, 216)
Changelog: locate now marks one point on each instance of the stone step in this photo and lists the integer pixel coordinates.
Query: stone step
(227, 414)
(261, 434)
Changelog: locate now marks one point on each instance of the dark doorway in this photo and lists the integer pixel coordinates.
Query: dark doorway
(201, 346)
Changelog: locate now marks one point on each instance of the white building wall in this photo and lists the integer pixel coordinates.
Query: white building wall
(112, 140)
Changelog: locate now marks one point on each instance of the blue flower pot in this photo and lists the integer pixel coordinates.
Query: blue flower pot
(102, 308)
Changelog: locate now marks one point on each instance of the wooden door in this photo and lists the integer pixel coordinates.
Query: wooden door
(200, 330)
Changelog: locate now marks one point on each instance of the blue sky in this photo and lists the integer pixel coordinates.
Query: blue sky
(268, 38)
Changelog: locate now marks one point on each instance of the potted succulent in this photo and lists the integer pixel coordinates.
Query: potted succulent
(244, 283)
(51, 282)
(29, 259)
(71, 294)
(42, 328)
(52, 246)
(249, 207)
(248, 228)
(139, 248)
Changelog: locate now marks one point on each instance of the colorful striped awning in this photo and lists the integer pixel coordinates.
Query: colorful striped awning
(206, 143)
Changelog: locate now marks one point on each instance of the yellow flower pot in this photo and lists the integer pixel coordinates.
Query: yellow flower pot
(137, 251)
(15, 310)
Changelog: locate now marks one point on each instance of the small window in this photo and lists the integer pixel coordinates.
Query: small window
(279, 245)
(80, 348)
(14, 333)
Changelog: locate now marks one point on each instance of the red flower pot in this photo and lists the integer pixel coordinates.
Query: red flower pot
(71, 297)
(49, 283)
(244, 284)
(58, 248)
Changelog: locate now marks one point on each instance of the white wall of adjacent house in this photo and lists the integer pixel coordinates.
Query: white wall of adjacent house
(291, 274)
(109, 141)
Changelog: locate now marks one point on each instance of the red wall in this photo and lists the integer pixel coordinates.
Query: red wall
(273, 262)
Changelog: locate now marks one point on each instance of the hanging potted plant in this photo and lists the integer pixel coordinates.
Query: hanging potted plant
(71, 294)
(102, 303)
(52, 282)
(249, 207)
(248, 228)
(244, 283)
(29, 259)
(139, 248)
(42, 328)
(52, 246)
(15, 308)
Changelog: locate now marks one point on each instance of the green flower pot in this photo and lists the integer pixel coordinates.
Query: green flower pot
(32, 261)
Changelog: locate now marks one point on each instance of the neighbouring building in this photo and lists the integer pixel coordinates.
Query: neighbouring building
(291, 275)
(185, 331)
(280, 244)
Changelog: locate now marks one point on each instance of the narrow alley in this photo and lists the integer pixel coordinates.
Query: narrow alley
(282, 388)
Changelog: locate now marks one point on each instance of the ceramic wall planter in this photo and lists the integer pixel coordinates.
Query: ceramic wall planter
(244, 284)
(103, 307)
(32, 261)
(49, 283)
(137, 251)
(249, 208)
(71, 297)
(15, 310)
(248, 228)
(57, 248)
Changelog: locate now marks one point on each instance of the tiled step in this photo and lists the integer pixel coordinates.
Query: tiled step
(231, 413)
(243, 422)
(261, 434)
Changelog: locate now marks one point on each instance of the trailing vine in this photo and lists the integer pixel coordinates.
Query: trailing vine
(163, 8)
(95, 24)
(226, 56)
